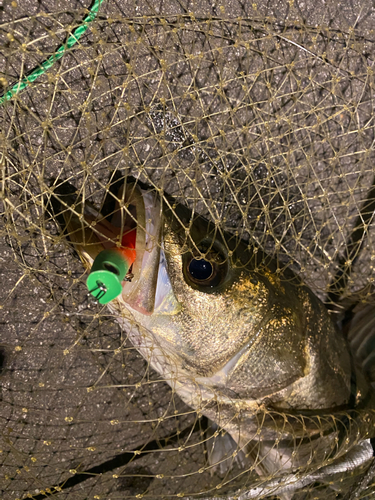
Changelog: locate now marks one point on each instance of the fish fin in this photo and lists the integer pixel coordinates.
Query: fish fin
(360, 332)
(268, 462)
(222, 450)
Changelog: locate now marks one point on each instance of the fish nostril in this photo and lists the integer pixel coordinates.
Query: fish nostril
(111, 268)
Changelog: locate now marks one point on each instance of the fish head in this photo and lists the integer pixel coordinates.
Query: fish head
(211, 302)
(237, 318)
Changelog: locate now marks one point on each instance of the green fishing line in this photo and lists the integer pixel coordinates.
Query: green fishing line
(48, 63)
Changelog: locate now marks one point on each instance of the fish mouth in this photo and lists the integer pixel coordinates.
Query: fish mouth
(133, 228)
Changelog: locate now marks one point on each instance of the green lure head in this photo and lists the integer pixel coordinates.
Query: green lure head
(107, 272)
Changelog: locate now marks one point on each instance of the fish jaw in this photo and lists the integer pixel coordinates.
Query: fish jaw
(139, 210)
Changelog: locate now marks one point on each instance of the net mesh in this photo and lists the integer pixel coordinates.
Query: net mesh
(258, 117)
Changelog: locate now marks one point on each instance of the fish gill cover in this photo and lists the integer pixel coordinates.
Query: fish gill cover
(259, 117)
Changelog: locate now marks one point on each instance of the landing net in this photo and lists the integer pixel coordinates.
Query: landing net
(260, 117)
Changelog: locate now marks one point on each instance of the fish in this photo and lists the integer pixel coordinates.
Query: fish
(241, 339)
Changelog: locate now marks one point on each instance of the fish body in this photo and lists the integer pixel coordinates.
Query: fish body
(239, 340)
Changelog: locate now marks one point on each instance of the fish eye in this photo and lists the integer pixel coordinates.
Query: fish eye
(205, 271)
(200, 269)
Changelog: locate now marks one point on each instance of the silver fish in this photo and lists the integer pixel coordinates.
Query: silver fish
(240, 340)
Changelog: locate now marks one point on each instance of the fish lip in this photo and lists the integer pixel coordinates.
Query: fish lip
(140, 293)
